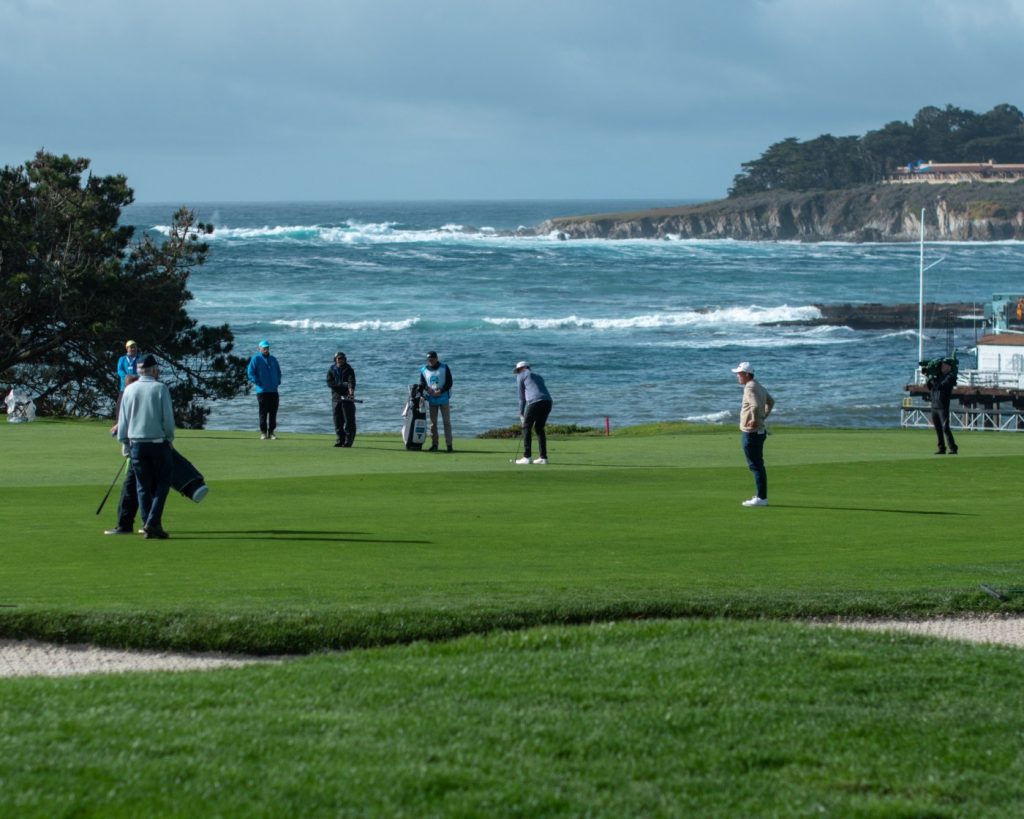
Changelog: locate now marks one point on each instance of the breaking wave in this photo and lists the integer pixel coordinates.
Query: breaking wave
(718, 317)
(354, 326)
(709, 418)
(349, 232)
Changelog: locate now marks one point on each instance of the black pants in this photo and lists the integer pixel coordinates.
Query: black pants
(940, 420)
(128, 505)
(344, 419)
(268, 402)
(536, 417)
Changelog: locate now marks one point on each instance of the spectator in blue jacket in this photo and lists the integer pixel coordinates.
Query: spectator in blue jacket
(265, 373)
(126, 364)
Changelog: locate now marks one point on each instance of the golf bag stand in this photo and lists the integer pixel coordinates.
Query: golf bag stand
(414, 426)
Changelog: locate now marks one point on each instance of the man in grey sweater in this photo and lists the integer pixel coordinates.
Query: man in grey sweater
(534, 407)
(145, 428)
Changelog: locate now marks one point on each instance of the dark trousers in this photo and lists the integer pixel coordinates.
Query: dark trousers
(535, 417)
(128, 504)
(268, 402)
(753, 449)
(940, 420)
(344, 419)
(153, 465)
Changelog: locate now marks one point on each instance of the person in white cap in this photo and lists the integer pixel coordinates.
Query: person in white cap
(534, 408)
(757, 405)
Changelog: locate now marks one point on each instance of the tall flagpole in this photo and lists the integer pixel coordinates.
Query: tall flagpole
(920, 297)
(920, 293)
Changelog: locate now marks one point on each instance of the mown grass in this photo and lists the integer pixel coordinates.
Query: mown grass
(663, 718)
(300, 547)
(509, 652)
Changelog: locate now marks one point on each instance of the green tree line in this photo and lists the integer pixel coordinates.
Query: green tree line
(75, 283)
(827, 162)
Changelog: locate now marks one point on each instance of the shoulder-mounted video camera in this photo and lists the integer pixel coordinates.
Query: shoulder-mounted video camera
(933, 367)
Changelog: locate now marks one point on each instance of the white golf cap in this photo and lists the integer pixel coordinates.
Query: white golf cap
(744, 367)
(520, 365)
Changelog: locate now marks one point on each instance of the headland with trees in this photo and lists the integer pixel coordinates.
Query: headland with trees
(835, 189)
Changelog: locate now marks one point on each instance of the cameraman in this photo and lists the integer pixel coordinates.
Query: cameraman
(941, 384)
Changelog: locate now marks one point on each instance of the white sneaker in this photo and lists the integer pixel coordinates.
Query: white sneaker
(541, 461)
(756, 501)
(273, 437)
(200, 493)
(263, 436)
(523, 461)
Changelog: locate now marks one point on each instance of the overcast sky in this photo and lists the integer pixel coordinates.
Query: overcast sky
(206, 100)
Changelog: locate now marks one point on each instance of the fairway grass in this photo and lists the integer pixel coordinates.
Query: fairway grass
(611, 634)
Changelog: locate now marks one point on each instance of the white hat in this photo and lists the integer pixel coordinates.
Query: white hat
(520, 365)
(744, 367)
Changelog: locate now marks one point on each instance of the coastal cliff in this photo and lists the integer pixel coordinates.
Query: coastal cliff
(875, 213)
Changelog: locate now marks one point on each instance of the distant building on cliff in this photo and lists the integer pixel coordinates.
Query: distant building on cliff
(949, 173)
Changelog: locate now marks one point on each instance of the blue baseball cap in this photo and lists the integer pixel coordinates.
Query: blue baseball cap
(263, 344)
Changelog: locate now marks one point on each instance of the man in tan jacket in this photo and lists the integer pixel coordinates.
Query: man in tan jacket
(757, 405)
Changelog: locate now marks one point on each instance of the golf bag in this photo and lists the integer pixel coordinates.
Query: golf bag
(414, 428)
(187, 479)
(20, 407)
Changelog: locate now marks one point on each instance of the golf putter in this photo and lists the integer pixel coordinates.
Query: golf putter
(111, 489)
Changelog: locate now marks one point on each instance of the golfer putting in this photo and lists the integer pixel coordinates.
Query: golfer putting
(534, 407)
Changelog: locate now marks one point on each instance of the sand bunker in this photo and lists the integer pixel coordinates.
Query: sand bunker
(1007, 631)
(28, 658)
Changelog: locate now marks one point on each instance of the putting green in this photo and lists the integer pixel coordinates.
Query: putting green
(300, 545)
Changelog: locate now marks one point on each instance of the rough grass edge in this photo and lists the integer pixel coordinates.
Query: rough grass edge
(299, 633)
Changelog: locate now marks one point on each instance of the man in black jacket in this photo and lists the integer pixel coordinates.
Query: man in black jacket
(941, 385)
(341, 378)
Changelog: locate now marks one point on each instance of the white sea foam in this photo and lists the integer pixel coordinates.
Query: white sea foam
(355, 326)
(350, 232)
(716, 318)
(709, 418)
(756, 342)
(353, 232)
(901, 334)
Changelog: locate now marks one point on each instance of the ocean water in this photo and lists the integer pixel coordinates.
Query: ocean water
(633, 331)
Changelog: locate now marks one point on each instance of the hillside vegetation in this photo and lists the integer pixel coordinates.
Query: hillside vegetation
(828, 189)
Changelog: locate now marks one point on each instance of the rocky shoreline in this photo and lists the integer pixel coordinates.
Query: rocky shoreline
(874, 213)
(889, 316)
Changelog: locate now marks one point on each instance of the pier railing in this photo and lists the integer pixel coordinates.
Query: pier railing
(986, 379)
(991, 379)
(974, 419)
